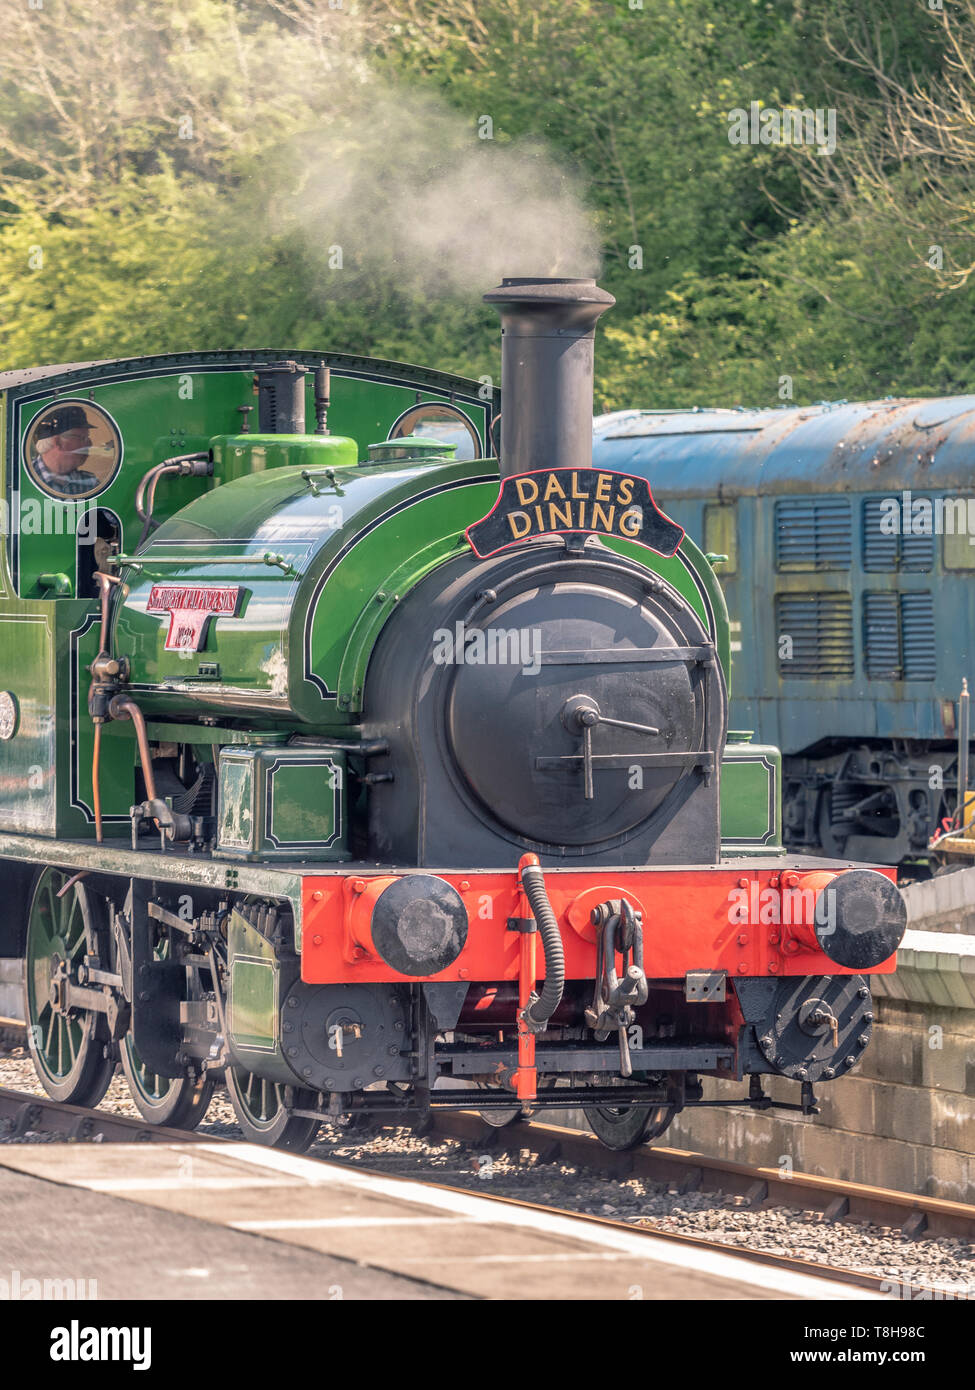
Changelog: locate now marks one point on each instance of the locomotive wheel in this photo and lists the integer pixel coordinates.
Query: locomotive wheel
(498, 1119)
(179, 1102)
(68, 1045)
(511, 1115)
(619, 1128)
(262, 1115)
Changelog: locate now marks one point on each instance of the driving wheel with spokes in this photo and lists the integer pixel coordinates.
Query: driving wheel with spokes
(69, 1045)
(179, 1102)
(263, 1111)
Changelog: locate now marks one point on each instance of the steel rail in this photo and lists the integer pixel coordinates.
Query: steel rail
(837, 1199)
(33, 1114)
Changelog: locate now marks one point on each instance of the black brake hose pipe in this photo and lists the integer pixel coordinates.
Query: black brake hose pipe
(542, 1006)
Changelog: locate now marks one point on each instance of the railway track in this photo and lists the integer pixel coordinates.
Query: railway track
(680, 1170)
(33, 1114)
(683, 1171)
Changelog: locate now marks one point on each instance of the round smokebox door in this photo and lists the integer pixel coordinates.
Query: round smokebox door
(559, 736)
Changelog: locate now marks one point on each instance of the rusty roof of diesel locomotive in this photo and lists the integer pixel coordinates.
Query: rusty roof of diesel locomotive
(905, 443)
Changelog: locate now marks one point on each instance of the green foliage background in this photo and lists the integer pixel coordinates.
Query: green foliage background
(118, 236)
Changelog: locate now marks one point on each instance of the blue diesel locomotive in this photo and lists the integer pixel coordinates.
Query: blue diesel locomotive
(849, 532)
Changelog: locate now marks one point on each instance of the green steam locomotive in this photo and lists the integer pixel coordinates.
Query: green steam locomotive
(345, 767)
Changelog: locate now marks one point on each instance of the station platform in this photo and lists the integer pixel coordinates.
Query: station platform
(78, 1245)
(234, 1220)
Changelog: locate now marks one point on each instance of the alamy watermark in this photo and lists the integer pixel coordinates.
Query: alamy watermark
(752, 905)
(788, 125)
(46, 516)
(20, 1288)
(908, 515)
(80, 1343)
(490, 646)
(950, 1291)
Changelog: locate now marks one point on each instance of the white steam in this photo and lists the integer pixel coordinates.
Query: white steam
(404, 186)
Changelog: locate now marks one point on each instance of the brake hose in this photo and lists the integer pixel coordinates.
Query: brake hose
(542, 1006)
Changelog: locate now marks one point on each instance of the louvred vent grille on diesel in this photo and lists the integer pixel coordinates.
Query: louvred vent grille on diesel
(917, 552)
(819, 629)
(885, 551)
(813, 533)
(917, 637)
(898, 637)
(881, 636)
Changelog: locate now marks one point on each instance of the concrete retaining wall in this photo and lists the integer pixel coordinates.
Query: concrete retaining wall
(945, 903)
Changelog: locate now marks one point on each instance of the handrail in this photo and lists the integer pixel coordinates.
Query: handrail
(147, 561)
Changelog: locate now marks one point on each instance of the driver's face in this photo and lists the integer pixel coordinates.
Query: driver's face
(70, 451)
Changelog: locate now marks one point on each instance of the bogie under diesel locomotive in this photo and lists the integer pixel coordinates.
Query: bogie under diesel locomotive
(367, 787)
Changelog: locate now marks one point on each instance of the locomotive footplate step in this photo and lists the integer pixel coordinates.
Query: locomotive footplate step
(448, 1239)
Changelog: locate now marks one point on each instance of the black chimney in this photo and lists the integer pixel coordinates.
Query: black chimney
(547, 330)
